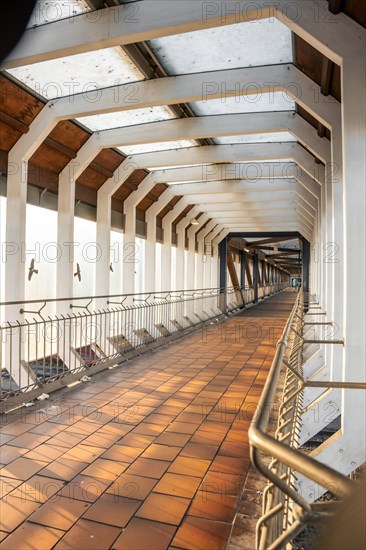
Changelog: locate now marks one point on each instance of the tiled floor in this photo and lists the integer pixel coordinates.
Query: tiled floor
(153, 454)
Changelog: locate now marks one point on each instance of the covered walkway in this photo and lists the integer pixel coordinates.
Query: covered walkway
(152, 455)
(182, 237)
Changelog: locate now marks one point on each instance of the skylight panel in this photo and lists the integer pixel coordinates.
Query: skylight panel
(154, 147)
(120, 119)
(275, 137)
(263, 42)
(256, 103)
(79, 73)
(49, 11)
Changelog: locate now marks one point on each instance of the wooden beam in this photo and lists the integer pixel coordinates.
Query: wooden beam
(247, 272)
(232, 271)
(131, 185)
(95, 4)
(335, 6)
(101, 170)
(325, 84)
(326, 77)
(151, 197)
(282, 254)
(60, 147)
(138, 58)
(14, 123)
(265, 241)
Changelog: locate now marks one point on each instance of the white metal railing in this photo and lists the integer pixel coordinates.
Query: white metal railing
(285, 512)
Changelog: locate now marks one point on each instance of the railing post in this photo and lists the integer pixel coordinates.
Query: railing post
(305, 272)
(255, 277)
(223, 274)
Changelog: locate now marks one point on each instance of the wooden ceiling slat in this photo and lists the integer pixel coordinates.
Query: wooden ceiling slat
(8, 136)
(131, 184)
(14, 122)
(182, 215)
(356, 9)
(70, 135)
(17, 102)
(169, 207)
(311, 62)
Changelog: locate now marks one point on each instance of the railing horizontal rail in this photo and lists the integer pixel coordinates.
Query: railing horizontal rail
(286, 459)
(40, 347)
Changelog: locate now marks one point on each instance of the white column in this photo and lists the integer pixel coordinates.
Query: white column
(129, 245)
(191, 271)
(65, 220)
(166, 252)
(181, 231)
(150, 245)
(104, 214)
(354, 173)
(211, 273)
(202, 259)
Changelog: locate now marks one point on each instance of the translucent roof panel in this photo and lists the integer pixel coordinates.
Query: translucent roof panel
(48, 11)
(256, 138)
(257, 103)
(78, 73)
(126, 118)
(263, 42)
(154, 147)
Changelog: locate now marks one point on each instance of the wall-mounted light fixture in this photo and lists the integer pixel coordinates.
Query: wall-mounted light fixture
(195, 222)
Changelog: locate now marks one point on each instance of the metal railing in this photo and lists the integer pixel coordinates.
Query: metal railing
(50, 343)
(285, 512)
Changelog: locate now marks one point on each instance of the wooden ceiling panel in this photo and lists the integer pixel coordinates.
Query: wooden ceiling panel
(92, 179)
(152, 196)
(46, 157)
(131, 184)
(42, 178)
(169, 207)
(312, 63)
(182, 215)
(356, 9)
(18, 103)
(123, 193)
(8, 136)
(70, 135)
(109, 159)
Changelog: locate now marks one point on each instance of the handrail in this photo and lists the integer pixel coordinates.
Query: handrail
(284, 454)
(54, 349)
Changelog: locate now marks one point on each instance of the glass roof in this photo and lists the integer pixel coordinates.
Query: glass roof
(263, 42)
(78, 73)
(126, 118)
(153, 147)
(48, 11)
(256, 138)
(257, 103)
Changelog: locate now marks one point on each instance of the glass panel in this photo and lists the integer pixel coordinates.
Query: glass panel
(79, 73)
(263, 42)
(86, 257)
(40, 259)
(126, 118)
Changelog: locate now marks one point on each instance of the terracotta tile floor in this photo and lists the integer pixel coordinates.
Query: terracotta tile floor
(153, 454)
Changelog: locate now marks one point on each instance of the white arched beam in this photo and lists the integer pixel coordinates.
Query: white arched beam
(219, 126)
(184, 89)
(148, 20)
(211, 154)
